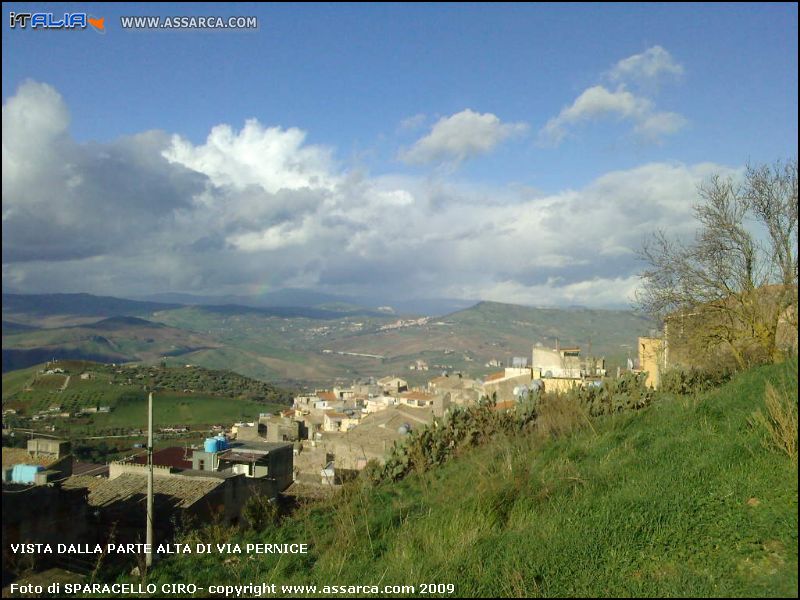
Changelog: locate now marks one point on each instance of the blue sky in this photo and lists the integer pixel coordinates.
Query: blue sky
(453, 116)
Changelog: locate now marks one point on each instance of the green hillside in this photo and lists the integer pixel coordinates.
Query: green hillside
(184, 396)
(682, 498)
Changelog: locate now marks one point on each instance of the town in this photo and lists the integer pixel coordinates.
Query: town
(325, 438)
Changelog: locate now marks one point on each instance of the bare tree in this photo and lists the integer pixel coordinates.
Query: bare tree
(736, 282)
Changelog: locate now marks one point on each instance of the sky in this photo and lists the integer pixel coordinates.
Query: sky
(515, 153)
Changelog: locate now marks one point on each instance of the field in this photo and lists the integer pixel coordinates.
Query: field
(194, 397)
(680, 499)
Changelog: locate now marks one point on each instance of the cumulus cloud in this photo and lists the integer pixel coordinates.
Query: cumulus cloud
(650, 65)
(461, 136)
(261, 207)
(599, 102)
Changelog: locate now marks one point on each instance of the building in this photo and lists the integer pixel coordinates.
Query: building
(561, 369)
(374, 436)
(265, 461)
(416, 399)
(652, 359)
(393, 385)
(49, 447)
(44, 462)
(559, 362)
(44, 514)
(504, 385)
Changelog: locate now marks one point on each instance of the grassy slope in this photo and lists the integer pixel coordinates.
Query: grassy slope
(172, 407)
(653, 503)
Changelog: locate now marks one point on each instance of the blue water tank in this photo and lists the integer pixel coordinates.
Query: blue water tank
(210, 445)
(222, 443)
(25, 473)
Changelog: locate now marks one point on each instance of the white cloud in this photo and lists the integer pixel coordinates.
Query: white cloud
(272, 158)
(599, 102)
(460, 136)
(647, 66)
(260, 206)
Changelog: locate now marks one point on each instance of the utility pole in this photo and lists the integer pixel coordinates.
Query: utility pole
(149, 540)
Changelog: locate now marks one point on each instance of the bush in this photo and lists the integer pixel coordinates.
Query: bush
(779, 424)
(436, 444)
(261, 512)
(693, 381)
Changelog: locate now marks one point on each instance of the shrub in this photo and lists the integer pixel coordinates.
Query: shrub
(261, 512)
(779, 424)
(693, 380)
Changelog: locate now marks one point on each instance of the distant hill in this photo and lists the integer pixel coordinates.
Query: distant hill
(292, 297)
(304, 345)
(10, 327)
(285, 297)
(78, 304)
(115, 339)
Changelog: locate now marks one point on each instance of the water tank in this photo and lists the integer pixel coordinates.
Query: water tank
(222, 442)
(404, 429)
(25, 473)
(211, 445)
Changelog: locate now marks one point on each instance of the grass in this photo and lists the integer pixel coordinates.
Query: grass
(175, 408)
(679, 499)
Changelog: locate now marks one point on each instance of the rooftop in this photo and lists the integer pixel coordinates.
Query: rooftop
(86, 468)
(176, 457)
(184, 491)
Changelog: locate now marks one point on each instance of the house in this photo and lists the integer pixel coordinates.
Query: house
(266, 461)
(462, 390)
(559, 362)
(392, 385)
(49, 447)
(563, 368)
(118, 504)
(416, 399)
(379, 403)
(281, 428)
(505, 385)
(339, 421)
(305, 403)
